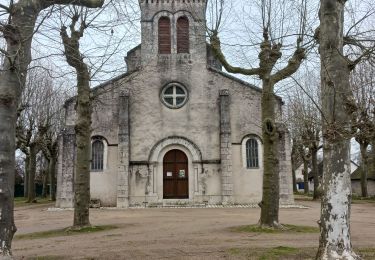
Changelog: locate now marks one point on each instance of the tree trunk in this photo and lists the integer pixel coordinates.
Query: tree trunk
(26, 177)
(293, 159)
(306, 176)
(364, 168)
(82, 127)
(270, 200)
(9, 98)
(315, 173)
(18, 37)
(335, 241)
(45, 183)
(294, 178)
(32, 170)
(83, 132)
(372, 154)
(52, 177)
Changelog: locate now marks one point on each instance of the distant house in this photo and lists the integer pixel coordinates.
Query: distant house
(356, 172)
(356, 182)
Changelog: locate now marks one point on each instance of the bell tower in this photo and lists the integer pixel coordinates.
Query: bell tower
(173, 31)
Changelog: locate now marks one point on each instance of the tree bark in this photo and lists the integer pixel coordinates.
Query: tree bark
(293, 159)
(45, 183)
(9, 98)
(270, 199)
(335, 240)
(315, 173)
(52, 178)
(372, 155)
(18, 34)
(83, 133)
(364, 168)
(294, 178)
(32, 170)
(26, 177)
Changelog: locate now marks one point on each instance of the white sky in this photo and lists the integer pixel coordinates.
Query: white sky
(240, 35)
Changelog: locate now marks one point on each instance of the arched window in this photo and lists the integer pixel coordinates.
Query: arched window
(164, 35)
(97, 155)
(183, 35)
(252, 156)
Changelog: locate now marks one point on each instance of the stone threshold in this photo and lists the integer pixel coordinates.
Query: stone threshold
(195, 206)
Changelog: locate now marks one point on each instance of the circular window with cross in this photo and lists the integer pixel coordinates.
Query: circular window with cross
(174, 95)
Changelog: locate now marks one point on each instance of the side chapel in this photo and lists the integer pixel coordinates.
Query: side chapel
(174, 129)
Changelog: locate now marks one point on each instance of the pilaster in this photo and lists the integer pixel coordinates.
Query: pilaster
(225, 148)
(123, 151)
(65, 174)
(285, 167)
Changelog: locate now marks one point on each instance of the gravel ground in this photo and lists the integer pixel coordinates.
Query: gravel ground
(173, 233)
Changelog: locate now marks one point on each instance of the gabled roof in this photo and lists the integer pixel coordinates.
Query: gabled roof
(229, 76)
(106, 83)
(234, 78)
(222, 73)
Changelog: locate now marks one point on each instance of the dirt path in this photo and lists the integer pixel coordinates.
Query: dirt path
(174, 233)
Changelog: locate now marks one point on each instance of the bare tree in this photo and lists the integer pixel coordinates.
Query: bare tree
(33, 115)
(337, 107)
(83, 20)
(269, 56)
(17, 28)
(363, 121)
(83, 122)
(304, 118)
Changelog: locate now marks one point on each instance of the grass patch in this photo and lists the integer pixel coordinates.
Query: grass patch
(366, 253)
(47, 257)
(287, 253)
(21, 201)
(285, 229)
(234, 251)
(361, 200)
(277, 252)
(64, 232)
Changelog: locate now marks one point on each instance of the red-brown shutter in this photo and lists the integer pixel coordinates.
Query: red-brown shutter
(183, 35)
(164, 35)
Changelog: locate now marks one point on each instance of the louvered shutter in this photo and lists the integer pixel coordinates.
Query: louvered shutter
(164, 35)
(182, 35)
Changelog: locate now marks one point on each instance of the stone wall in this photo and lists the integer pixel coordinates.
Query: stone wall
(356, 187)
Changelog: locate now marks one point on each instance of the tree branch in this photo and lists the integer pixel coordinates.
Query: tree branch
(216, 47)
(293, 65)
(6, 8)
(368, 52)
(86, 3)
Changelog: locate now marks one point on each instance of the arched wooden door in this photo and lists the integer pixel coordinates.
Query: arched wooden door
(175, 175)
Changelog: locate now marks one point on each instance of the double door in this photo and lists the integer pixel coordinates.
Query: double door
(175, 175)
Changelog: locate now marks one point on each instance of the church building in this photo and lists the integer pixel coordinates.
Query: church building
(174, 129)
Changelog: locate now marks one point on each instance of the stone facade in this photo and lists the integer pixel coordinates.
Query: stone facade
(219, 115)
